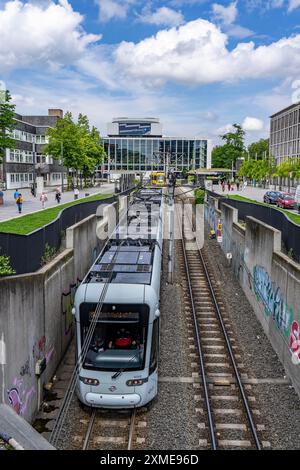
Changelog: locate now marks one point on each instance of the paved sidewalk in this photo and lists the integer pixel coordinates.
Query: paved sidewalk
(31, 204)
(252, 193)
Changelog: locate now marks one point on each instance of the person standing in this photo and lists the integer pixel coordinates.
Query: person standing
(238, 185)
(57, 195)
(19, 202)
(43, 200)
(16, 194)
(229, 186)
(76, 193)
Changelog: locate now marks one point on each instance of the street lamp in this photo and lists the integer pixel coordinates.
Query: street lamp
(62, 163)
(34, 168)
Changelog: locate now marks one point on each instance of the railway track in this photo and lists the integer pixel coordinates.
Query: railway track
(108, 430)
(226, 410)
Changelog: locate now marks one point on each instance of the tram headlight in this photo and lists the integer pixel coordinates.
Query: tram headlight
(136, 382)
(88, 381)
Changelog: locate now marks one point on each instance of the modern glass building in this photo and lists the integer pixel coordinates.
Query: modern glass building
(141, 149)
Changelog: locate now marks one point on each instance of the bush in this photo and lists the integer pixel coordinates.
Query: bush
(5, 267)
(199, 196)
(49, 254)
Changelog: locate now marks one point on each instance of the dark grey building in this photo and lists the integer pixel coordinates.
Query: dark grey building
(285, 133)
(27, 160)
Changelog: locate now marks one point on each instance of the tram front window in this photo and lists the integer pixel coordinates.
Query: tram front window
(116, 345)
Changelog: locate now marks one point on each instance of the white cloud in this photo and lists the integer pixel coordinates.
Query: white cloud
(223, 130)
(197, 53)
(227, 15)
(252, 124)
(293, 4)
(41, 34)
(110, 9)
(239, 32)
(264, 5)
(162, 16)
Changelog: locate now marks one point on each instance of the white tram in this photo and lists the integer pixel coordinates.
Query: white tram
(119, 367)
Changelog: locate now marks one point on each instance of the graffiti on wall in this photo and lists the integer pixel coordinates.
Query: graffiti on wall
(40, 351)
(276, 306)
(210, 214)
(295, 342)
(67, 303)
(273, 299)
(25, 369)
(19, 396)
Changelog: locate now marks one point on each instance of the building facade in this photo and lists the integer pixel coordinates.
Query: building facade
(27, 160)
(137, 145)
(285, 133)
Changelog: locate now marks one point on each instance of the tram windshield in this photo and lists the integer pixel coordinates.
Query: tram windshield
(119, 338)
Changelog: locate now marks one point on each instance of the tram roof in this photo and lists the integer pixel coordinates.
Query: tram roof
(129, 255)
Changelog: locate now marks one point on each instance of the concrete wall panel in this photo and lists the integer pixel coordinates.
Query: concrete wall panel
(36, 316)
(270, 280)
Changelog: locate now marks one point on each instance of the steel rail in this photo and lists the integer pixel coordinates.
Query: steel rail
(228, 344)
(131, 428)
(89, 430)
(199, 347)
(231, 354)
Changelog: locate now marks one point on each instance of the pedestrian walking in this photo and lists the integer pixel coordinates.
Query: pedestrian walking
(43, 200)
(229, 186)
(223, 186)
(58, 195)
(237, 185)
(19, 202)
(16, 194)
(76, 193)
(245, 185)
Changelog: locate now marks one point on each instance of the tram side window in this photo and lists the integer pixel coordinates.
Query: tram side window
(154, 347)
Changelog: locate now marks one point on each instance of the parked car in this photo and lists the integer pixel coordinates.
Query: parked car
(286, 201)
(297, 198)
(271, 197)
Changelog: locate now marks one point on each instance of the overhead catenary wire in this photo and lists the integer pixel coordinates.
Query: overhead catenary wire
(55, 434)
(54, 437)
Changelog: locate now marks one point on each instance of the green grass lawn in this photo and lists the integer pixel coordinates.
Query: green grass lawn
(294, 217)
(30, 222)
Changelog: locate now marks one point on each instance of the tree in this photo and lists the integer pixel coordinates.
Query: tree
(92, 150)
(81, 146)
(63, 139)
(283, 169)
(7, 115)
(259, 150)
(224, 155)
(257, 169)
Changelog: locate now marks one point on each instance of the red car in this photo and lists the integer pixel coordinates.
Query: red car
(286, 201)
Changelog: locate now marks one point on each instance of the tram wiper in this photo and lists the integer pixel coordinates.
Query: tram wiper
(120, 371)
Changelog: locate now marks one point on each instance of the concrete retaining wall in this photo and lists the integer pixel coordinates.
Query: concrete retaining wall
(270, 280)
(36, 321)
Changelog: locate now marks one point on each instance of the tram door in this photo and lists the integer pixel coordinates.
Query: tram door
(153, 366)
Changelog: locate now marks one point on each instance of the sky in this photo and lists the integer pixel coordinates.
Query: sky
(198, 65)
